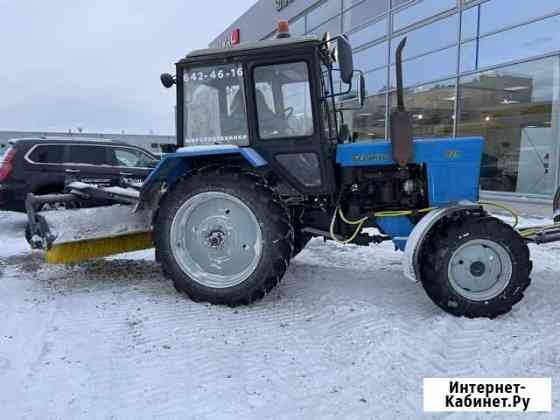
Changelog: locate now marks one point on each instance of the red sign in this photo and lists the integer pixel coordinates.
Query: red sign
(233, 39)
(236, 37)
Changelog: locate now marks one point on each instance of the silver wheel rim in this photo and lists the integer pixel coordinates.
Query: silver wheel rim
(216, 240)
(480, 270)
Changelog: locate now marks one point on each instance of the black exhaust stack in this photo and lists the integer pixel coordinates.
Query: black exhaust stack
(401, 122)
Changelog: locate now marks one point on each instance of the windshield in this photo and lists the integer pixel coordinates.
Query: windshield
(215, 109)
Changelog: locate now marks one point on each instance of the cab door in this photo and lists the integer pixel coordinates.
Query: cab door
(286, 126)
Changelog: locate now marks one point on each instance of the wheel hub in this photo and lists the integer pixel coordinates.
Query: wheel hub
(216, 239)
(480, 269)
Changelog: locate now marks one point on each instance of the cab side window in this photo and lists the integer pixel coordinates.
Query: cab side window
(283, 99)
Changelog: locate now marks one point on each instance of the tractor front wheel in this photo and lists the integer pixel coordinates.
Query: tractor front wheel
(223, 238)
(475, 266)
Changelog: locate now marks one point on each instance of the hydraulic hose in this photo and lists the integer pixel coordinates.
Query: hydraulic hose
(400, 213)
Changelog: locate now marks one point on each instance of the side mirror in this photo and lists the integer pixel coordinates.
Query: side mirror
(345, 59)
(358, 95)
(167, 80)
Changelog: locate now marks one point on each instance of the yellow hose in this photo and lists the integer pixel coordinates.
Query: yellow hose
(506, 208)
(400, 213)
(360, 223)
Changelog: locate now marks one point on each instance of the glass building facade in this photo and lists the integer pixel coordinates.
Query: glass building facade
(487, 68)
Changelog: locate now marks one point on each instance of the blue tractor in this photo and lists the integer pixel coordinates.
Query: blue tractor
(270, 164)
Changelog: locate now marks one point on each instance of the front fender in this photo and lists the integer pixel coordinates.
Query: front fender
(416, 239)
(175, 165)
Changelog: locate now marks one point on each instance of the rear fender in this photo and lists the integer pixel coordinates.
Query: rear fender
(416, 239)
(175, 165)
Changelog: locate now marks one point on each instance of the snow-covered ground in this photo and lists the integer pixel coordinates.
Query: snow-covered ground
(345, 336)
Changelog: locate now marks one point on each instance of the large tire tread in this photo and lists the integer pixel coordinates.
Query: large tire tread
(275, 259)
(440, 245)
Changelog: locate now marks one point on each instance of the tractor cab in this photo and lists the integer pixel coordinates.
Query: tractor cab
(277, 97)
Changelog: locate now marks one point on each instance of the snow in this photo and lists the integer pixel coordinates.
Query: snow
(99, 222)
(119, 191)
(124, 192)
(345, 335)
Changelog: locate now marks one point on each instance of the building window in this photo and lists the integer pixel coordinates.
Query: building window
(370, 33)
(346, 4)
(371, 58)
(469, 56)
(522, 42)
(297, 27)
(469, 23)
(368, 123)
(362, 13)
(376, 81)
(432, 107)
(397, 3)
(434, 66)
(323, 13)
(516, 110)
(420, 11)
(428, 38)
(526, 41)
(498, 14)
(332, 27)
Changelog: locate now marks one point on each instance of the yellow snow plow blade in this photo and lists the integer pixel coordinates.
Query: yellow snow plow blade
(70, 236)
(74, 252)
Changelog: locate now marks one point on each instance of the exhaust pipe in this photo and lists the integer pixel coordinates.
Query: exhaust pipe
(401, 121)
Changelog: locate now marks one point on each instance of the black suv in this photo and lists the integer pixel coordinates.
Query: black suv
(44, 165)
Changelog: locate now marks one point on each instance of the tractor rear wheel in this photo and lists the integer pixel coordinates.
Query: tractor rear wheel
(223, 238)
(557, 207)
(475, 266)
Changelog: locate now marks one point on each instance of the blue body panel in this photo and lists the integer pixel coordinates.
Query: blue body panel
(398, 228)
(452, 165)
(174, 165)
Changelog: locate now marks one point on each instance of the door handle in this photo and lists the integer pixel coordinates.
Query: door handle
(126, 174)
(72, 171)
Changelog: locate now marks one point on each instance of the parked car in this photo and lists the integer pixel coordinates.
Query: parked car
(43, 166)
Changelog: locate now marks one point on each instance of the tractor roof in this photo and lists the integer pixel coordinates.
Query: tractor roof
(252, 47)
